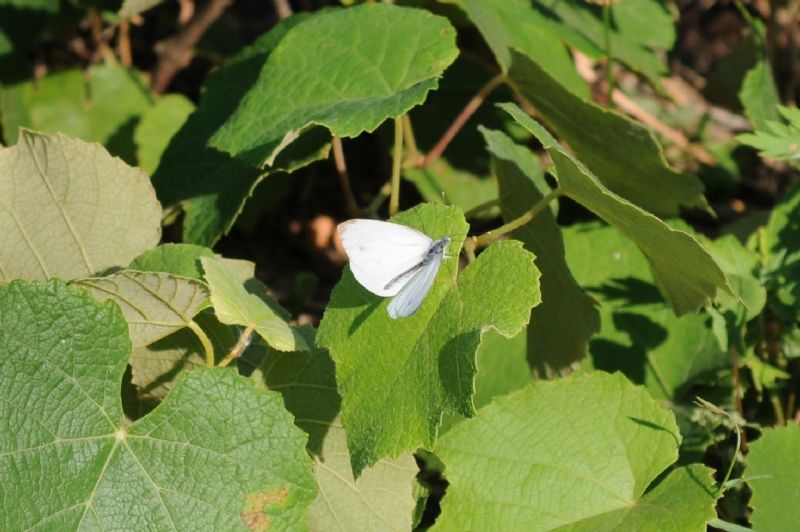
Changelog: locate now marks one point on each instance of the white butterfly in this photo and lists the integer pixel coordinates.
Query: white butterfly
(390, 259)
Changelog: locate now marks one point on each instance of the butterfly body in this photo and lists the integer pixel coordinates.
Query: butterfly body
(390, 259)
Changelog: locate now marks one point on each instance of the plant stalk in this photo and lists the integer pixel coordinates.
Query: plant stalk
(460, 120)
(344, 178)
(237, 350)
(490, 236)
(208, 348)
(397, 164)
(609, 54)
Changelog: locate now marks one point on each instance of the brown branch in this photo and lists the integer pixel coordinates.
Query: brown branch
(176, 52)
(283, 9)
(344, 178)
(460, 120)
(627, 105)
(124, 44)
(672, 135)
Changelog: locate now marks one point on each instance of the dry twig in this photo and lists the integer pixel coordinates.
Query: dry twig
(176, 52)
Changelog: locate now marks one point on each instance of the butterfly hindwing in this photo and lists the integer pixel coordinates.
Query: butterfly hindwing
(408, 300)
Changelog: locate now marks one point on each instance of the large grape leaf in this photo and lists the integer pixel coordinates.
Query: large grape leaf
(216, 454)
(576, 453)
(71, 210)
(234, 304)
(211, 186)
(623, 154)
(345, 69)
(102, 105)
(515, 24)
(640, 335)
(397, 377)
(774, 465)
(381, 498)
(684, 272)
(154, 304)
(561, 326)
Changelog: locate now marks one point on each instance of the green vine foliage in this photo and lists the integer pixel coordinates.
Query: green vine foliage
(183, 345)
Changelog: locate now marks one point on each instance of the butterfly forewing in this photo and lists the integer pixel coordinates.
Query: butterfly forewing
(381, 253)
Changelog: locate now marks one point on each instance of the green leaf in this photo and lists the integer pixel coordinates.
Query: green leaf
(776, 456)
(100, 105)
(781, 269)
(640, 335)
(397, 377)
(178, 259)
(346, 86)
(211, 186)
(155, 305)
(157, 127)
(131, 8)
(217, 453)
(776, 140)
(759, 95)
(589, 473)
(251, 307)
(623, 154)
(440, 182)
(502, 367)
(70, 209)
(515, 24)
(639, 31)
(43, 5)
(381, 498)
(739, 263)
(562, 325)
(684, 272)
(156, 367)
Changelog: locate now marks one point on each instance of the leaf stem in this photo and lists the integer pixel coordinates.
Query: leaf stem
(208, 348)
(344, 178)
(237, 350)
(412, 152)
(609, 53)
(397, 164)
(380, 197)
(471, 244)
(478, 209)
(717, 410)
(460, 120)
(733, 458)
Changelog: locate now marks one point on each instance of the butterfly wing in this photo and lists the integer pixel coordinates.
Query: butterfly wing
(382, 252)
(408, 300)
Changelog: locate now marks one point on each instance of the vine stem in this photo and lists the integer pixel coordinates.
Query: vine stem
(380, 197)
(412, 152)
(397, 164)
(237, 350)
(473, 243)
(344, 178)
(208, 348)
(460, 120)
(717, 410)
(609, 53)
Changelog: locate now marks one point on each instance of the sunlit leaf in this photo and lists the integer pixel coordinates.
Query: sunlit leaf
(217, 453)
(71, 210)
(397, 377)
